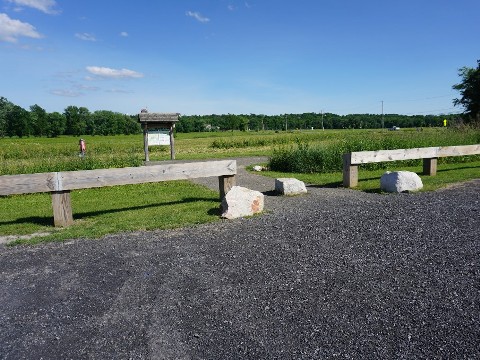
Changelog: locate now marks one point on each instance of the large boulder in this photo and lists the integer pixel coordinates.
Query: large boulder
(290, 186)
(240, 202)
(400, 181)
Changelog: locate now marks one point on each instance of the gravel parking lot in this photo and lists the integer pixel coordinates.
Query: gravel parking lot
(335, 273)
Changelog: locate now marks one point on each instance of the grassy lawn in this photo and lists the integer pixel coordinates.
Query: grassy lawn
(109, 210)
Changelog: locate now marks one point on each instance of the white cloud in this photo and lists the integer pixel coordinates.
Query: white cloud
(124, 34)
(45, 6)
(197, 16)
(11, 30)
(86, 36)
(106, 72)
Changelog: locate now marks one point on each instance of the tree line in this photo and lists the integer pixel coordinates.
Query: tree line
(253, 122)
(76, 121)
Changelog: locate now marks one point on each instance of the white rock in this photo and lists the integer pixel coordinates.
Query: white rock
(258, 168)
(400, 181)
(290, 186)
(240, 202)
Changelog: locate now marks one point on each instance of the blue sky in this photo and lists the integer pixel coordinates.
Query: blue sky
(237, 56)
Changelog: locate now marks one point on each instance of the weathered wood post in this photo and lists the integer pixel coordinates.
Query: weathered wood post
(350, 172)
(430, 166)
(62, 208)
(145, 141)
(172, 144)
(226, 183)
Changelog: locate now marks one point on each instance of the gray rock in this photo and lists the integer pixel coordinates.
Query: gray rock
(290, 186)
(240, 202)
(400, 181)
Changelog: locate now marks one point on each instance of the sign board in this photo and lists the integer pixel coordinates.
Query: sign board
(158, 137)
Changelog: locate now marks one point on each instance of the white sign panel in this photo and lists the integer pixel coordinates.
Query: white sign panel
(158, 137)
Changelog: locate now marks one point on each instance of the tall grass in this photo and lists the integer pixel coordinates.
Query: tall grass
(318, 150)
(33, 155)
(307, 157)
(271, 139)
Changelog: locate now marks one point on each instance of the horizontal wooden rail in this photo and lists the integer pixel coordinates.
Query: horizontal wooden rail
(61, 183)
(351, 161)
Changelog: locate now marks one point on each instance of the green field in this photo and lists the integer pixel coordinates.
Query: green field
(166, 205)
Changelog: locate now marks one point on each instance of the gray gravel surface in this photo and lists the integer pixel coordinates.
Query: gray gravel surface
(333, 274)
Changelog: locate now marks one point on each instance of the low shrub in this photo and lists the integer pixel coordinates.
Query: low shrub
(328, 157)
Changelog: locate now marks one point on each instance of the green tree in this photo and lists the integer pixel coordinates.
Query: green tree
(77, 119)
(232, 121)
(39, 120)
(17, 122)
(469, 89)
(5, 107)
(56, 124)
(132, 126)
(243, 122)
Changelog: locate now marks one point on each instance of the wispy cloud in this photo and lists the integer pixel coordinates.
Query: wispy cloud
(86, 36)
(106, 72)
(46, 6)
(11, 29)
(119, 91)
(124, 34)
(86, 87)
(231, 7)
(197, 16)
(66, 93)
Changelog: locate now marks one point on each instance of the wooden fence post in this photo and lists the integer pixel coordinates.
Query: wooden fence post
(430, 166)
(350, 172)
(62, 208)
(226, 183)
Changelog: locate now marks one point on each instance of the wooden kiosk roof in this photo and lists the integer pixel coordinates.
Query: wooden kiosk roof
(158, 117)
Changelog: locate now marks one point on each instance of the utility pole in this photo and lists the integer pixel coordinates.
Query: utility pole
(322, 122)
(383, 120)
(286, 122)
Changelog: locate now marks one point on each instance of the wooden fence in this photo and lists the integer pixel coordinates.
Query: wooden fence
(59, 184)
(351, 161)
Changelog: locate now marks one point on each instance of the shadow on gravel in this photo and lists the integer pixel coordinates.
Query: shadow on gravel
(333, 185)
(270, 193)
(339, 185)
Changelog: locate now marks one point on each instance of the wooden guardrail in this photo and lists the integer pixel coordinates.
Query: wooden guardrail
(351, 161)
(59, 184)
